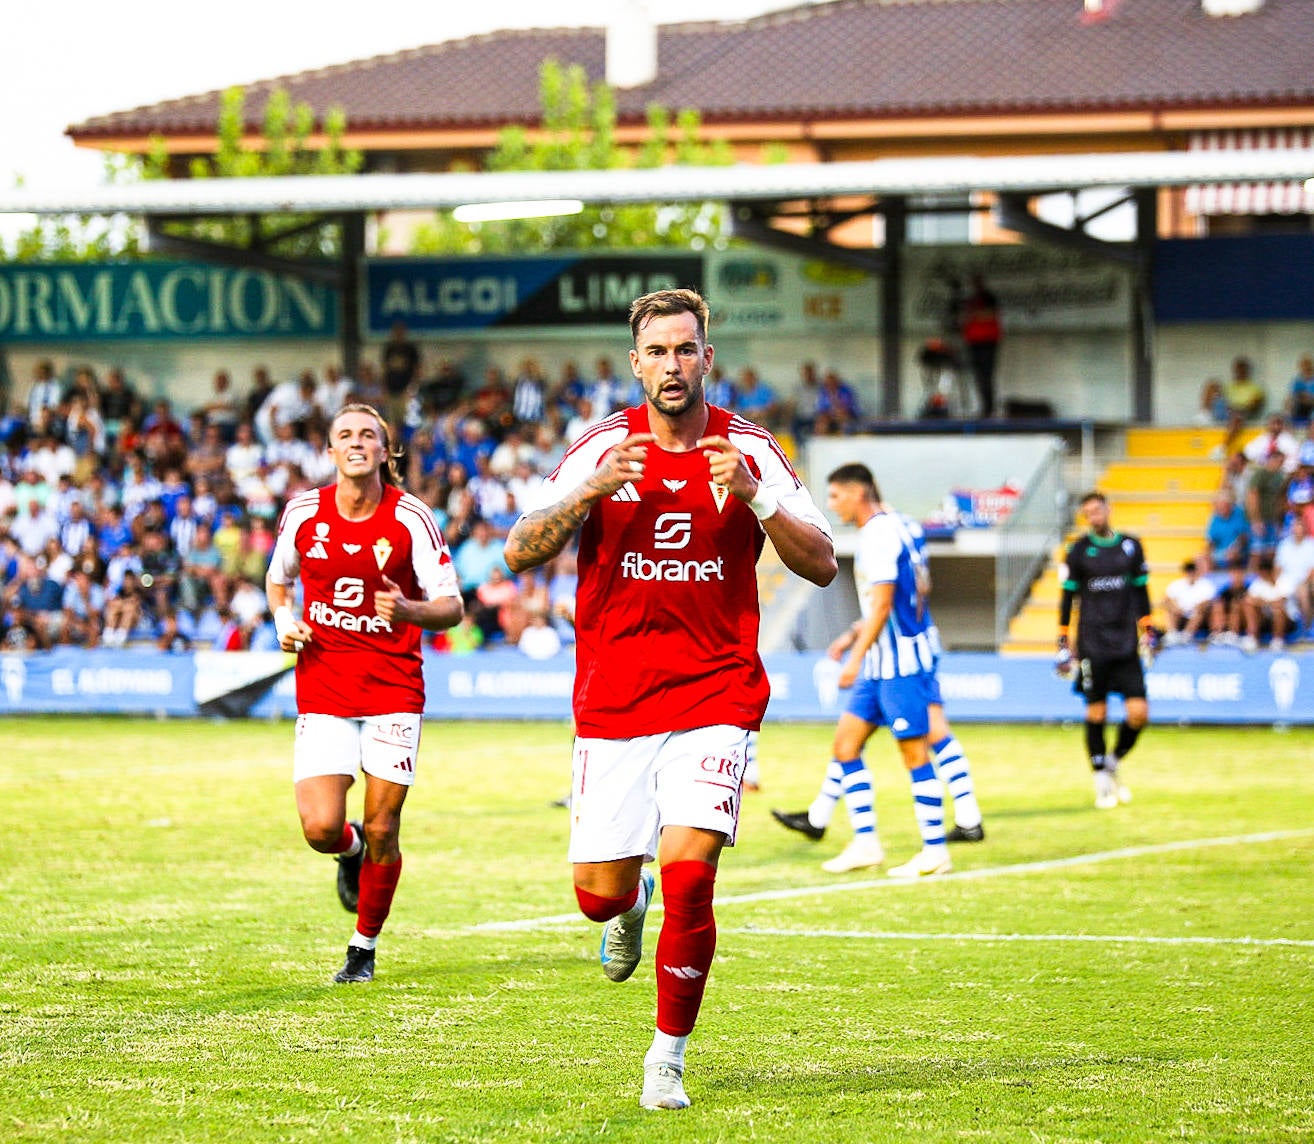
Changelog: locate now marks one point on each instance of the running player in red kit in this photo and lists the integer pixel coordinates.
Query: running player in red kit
(672, 501)
(374, 571)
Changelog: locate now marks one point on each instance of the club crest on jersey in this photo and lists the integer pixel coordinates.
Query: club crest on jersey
(674, 486)
(351, 549)
(626, 494)
(382, 550)
(720, 494)
(317, 551)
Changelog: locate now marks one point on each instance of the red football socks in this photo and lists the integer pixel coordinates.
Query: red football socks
(346, 842)
(378, 883)
(599, 909)
(685, 945)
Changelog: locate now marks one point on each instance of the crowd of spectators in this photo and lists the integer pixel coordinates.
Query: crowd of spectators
(125, 520)
(1254, 578)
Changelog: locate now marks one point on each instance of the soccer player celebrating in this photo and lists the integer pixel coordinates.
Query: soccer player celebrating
(672, 501)
(1106, 573)
(374, 571)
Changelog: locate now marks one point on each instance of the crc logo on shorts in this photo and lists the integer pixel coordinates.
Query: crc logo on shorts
(348, 595)
(672, 530)
(732, 768)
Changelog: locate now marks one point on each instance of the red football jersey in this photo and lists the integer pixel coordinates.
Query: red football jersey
(358, 664)
(666, 611)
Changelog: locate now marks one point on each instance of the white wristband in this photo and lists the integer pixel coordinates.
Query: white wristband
(765, 503)
(284, 621)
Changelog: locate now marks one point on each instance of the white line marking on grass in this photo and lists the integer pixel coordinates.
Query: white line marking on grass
(890, 935)
(888, 883)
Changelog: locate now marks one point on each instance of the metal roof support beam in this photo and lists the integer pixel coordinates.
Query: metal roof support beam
(349, 322)
(895, 211)
(1142, 316)
(1085, 220)
(1014, 213)
(163, 242)
(748, 224)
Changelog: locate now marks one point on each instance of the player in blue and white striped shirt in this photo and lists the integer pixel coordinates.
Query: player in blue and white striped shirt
(946, 752)
(889, 665)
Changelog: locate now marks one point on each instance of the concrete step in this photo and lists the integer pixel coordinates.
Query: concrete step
(1165, 443)
(1149, 519)
(1124, 478)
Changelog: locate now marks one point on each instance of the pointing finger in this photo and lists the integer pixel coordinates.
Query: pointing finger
(719, 443)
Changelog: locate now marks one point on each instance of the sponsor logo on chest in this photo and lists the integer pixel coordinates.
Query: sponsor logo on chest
(344, 612)
(671, 531)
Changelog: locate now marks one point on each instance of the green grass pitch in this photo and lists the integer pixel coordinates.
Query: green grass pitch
(1134, 975)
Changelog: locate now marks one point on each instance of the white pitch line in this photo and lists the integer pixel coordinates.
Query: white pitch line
(888, 883)
(890, 935)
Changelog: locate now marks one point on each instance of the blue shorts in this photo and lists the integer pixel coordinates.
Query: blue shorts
(899, 704)
(933, 687)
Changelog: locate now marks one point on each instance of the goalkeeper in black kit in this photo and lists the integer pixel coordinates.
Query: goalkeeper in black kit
(1105, 571)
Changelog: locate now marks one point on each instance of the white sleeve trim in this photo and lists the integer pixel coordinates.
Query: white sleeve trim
(285, 560)
(777, 476)
(430, 558)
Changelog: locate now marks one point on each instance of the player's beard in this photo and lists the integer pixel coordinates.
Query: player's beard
(675, 408)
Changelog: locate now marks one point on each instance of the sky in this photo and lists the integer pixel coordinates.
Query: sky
(69, 60)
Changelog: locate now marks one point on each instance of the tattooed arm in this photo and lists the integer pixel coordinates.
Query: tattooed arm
(538, 537)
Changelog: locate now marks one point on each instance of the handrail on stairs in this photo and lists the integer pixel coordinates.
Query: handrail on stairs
(1027, 535)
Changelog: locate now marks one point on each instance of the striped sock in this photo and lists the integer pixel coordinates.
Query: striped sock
(951, 764)
(858, 796)
(832, 787)
(928, 806)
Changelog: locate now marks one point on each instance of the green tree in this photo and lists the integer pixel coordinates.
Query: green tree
(579, 134)
(284, 149)
(79, 238)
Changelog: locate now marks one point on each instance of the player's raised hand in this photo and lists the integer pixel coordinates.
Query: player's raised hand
(728, 467)
(390, 604)
(623, 463)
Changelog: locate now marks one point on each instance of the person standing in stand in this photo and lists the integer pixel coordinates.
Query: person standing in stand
(673, 501)
(374, 572)
(982, 332)
(401, 372)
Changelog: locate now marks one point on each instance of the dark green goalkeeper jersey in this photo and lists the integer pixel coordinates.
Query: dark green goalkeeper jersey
(1109, 577)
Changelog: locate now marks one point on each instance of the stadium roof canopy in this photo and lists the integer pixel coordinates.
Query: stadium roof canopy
(758, 194)
(750, 183)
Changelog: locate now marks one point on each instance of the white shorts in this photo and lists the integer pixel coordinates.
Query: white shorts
(624, 791)
(385, 746)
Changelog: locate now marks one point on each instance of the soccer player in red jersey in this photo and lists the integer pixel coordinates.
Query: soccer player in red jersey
(374, 571)
(672, 501)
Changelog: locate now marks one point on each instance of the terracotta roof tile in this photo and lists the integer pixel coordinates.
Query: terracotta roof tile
(844, 59)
